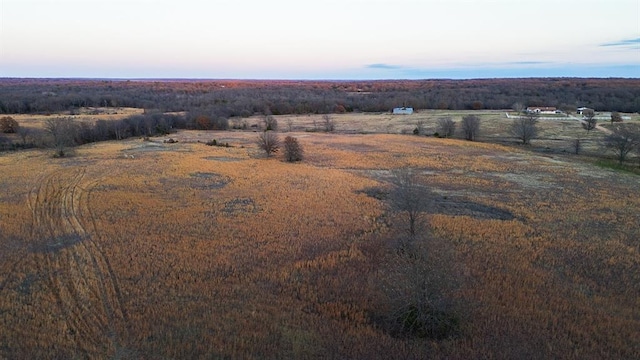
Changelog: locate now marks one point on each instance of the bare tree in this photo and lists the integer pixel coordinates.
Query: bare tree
(419, 284)
(289, 122)
(471, 127)
(446, 127)
(589, 120)
(577, 145)
(328, 123)
(63, 132)
(24, 133)
(120, 129)
(292, 149)
(524, 127)
(419, 129)
(268, 142)
(616, 117)
(409, 197)
(270, 123)
(622, 141)
(518, 107)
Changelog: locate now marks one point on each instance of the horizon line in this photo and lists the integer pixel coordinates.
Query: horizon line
(302, 79)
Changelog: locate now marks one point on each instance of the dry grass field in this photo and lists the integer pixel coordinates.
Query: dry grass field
(144, 249)
(556, 135)
(36, 121)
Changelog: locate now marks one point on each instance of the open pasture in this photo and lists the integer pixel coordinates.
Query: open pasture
(557, 133)
(143, 249)
(84, 115)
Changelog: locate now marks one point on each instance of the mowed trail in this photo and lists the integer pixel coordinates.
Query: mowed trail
(78, 273)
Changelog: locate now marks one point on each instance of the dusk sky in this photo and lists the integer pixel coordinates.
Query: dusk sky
(319, 39)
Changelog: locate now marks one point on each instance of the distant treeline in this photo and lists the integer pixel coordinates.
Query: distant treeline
(66, 132)
(241, 98)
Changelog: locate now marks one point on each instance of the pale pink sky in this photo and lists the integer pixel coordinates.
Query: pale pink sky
(333, 39)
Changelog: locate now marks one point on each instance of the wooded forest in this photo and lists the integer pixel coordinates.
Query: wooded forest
(233, 98)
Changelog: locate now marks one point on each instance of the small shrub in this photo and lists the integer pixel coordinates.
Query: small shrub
(292, 149)
(8, 125)
(616, 117)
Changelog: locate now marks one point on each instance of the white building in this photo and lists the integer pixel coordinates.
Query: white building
(543, 110)
(403, 111)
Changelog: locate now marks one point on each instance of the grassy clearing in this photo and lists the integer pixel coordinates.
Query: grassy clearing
(84, 114)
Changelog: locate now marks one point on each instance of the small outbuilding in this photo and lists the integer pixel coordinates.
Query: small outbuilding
(403, 111)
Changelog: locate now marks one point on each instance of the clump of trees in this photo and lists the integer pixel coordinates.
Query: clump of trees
(205, 120)
(229, 98)
(64, 133)
(524, 127)
(292, 149)
(470, 127)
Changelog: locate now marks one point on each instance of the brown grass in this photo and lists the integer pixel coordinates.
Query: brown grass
(191, 251)
(84, 114)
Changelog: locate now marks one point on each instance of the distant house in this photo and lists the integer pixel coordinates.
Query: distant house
(403, 111)
(543, 110)
(581, 110)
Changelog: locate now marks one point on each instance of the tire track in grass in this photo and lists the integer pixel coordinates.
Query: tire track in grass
(78, 271)
(50, 241)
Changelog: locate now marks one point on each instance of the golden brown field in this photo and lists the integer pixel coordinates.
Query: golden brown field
(142, 249)
(84, 115)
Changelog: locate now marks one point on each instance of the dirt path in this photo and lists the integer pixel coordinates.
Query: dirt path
(598, 127)
(79, 274)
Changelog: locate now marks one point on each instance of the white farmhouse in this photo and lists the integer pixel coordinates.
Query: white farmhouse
(543, 110)
(403, 111)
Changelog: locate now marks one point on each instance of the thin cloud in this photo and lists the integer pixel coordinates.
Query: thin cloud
(528, 63)
(629, 43)
(384, 66)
